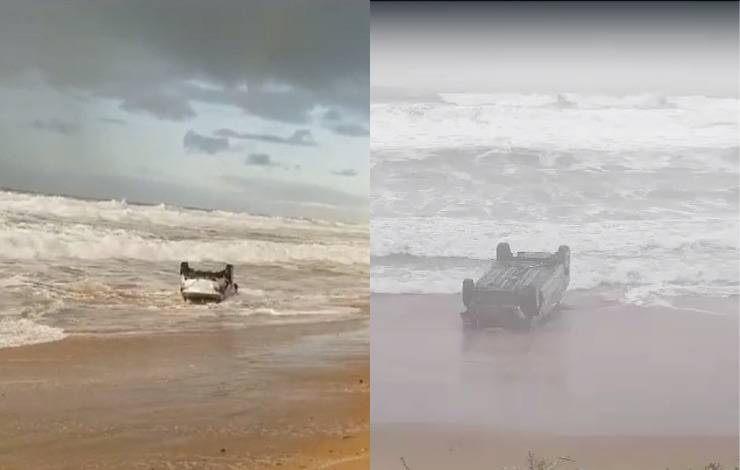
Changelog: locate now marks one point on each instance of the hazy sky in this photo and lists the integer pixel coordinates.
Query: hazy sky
(588, 47)
(259, 105)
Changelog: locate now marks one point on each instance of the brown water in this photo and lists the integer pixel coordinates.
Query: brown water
(71, 266)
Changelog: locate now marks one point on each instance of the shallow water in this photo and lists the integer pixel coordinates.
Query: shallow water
(77, 266)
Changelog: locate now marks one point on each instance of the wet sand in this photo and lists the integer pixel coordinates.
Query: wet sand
(611, 386)
(273, 396)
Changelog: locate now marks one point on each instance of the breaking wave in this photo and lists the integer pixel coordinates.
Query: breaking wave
(49, 227)
(557, 123)
(643, 188)
(53, 241)
(21, 332)
(120, 212)
(575, 100)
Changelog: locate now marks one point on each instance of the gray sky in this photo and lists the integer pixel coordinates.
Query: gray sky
(257, 105)
(550, 47)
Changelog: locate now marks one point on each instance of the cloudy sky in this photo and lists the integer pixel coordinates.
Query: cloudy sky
(257, 105)
(550, 47)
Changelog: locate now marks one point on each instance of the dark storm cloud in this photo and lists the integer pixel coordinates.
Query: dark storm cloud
(55, 125)
(593, 47)
(333, 120)
(291, 106)
(351, 130)
(301, 137)
(259, 159)
(160, 105)
(194, 142)
(151, 56)
(346, 172)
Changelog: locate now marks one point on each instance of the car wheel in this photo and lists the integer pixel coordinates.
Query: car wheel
(467, 292)
(503, 252)
(564, 253)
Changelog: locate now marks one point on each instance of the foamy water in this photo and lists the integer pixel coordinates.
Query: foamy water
(643, 188)
(76, 266)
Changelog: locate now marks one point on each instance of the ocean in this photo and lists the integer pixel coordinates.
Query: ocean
(644, 190)
(73, 266)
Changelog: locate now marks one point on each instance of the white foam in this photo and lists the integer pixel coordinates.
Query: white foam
(581, 101)
(401, 280)
(283, 312)
(659, 302)
(21, 331)
(246, 291)
(120, 212)
(601, 123)
(14, 281)
(19, 241)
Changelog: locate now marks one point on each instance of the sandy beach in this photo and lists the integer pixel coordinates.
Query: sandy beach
(285, 396)
(609, 385)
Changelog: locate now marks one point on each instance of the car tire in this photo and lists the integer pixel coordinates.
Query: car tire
(503, 252)
(467, 292)
(564, 253)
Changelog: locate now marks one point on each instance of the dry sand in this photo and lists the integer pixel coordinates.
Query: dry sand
(265, 397)
(609, 385)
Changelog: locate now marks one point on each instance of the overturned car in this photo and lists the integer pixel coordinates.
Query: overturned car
(206, 286)
(517, 291)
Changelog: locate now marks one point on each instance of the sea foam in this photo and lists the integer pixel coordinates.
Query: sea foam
(16, 332)
(643, 188)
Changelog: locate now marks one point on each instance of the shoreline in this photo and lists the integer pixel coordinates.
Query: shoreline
(293, 396)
